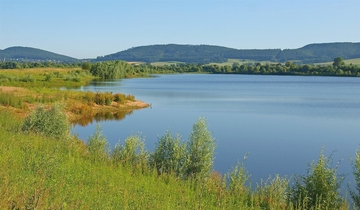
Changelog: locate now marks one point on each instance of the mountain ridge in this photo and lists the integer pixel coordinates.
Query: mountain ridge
(201, 54)
(311, 53)
(19, 53)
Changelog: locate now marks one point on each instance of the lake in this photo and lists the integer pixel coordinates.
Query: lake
(281, 122)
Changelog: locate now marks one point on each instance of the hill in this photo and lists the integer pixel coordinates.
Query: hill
(316, 53)
(312, 53)
(32, 54)
(187, 54)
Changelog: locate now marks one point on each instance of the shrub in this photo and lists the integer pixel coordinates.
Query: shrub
(132, 152)
(76, 79)
(168, 154)
(48, 77)
(108, 98)
(130, 97)
(356, 171)
(272, 193)
(120, 98)
(97, 146)
(319, 188)
(28, 78)
(236, 180)
(99, 99)
(199, 154)
(89, 97)
(86, 66)
(52, 122)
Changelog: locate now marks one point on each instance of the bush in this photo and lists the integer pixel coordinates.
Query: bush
(319, 188)
(356, 171)
(236, 180)
(97, 146)
(52, 122)
(108, 98)
(99, 99)
(131, 153)
(168, 155)
(120, 98)
(86, 66)
(199, 154)
(272, 193)
(48, 78)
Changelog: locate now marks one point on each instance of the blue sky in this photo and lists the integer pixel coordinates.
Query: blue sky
(90, 28)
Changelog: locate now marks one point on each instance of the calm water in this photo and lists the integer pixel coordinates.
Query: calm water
(282, 122)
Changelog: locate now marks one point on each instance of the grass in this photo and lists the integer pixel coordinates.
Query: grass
(45, 77)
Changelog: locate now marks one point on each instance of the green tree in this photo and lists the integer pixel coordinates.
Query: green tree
(111, 69)
(199, 154)
(86, 66)
(338, 61)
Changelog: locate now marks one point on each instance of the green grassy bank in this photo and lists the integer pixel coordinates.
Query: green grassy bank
(43, 171)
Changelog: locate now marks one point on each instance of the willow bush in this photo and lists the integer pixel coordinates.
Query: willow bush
(319, 188)
(355, 195)
(199, 153)
(49, 122)
(132, 152)
(111, 69)
(97, 146)
(168, 155)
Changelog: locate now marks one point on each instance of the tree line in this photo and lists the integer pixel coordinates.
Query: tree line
(338, 68)
(27, 65)
(122, 69)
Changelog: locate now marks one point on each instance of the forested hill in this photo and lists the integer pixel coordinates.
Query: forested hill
(204, 54)
(312, 53)
(32, 54)
(189, 54)
(315, 53)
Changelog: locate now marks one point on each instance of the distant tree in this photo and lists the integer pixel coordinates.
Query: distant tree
(86, 66)
(111, 69)
(338, 61)
(289, 64)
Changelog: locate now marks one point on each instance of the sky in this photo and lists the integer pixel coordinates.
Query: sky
(91, 28)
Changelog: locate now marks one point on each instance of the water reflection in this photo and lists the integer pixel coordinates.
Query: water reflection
(101, 116)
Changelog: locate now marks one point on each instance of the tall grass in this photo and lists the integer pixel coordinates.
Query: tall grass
(45, 77)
